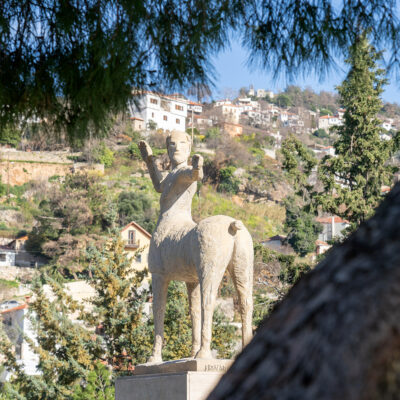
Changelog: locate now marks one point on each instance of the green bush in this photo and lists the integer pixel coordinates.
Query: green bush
(102, 154)
(3, 188)
(227, 182)
(133, 150)
(10, 135)
(321, 133)
(213, 133)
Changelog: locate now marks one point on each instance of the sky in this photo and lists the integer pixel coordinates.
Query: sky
(232, 72)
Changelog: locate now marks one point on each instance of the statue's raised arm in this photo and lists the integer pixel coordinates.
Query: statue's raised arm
(148, 158)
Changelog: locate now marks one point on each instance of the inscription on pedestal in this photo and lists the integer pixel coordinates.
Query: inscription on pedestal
(184, 365)
(215, 368)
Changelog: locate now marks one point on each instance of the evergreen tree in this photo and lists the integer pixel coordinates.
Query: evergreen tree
(118, 306)
(302, 228)
(66, 350)
(98, 386)
(299, 163)
(353, 178)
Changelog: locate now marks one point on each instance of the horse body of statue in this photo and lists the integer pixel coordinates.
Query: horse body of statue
(197, 254)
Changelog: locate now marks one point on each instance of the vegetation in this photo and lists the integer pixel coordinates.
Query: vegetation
(113, 332)
(76, 80)
(103, 155)
(227, 181)
(321, 133)
(302, 228)
(353, 179)
(10, 135)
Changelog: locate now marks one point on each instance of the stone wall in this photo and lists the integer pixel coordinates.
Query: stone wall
(18, 173)
(58, 157)
(19, 167)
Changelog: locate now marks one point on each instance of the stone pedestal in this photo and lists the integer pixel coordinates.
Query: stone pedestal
(186, 379)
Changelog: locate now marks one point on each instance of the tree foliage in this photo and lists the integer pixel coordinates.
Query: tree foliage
(302, 228)
(10, 135)
(66, 350)
(136, 206)
(118, 306)
(71, 63)
(98, 386)
(353, 179)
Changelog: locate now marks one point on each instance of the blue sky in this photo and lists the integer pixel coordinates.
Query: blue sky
(232, 72)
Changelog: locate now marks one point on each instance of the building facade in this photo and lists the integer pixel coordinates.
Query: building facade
(137, 243)
(159, 111)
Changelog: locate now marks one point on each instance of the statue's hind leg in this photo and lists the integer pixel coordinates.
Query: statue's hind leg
(160, 287)
(209, 282)
(241, 270)
(193, 289)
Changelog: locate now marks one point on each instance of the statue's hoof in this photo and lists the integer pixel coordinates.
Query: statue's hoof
(154, 360)
(204, 354)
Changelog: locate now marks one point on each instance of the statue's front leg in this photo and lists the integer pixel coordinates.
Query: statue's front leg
(160, 288)
(195, 314)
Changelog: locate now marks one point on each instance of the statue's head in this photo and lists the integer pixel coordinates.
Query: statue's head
(178, 146)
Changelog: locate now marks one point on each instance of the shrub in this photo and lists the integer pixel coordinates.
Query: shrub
(102, 154)
(134, 151)
(10, 135)
(227, 182)
(321, 133)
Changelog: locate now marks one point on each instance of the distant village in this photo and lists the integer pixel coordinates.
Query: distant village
(244, 115)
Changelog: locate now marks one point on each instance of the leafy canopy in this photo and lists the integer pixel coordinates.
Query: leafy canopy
(73, 62)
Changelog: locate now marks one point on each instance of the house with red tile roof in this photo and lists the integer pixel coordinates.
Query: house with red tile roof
(332, 227)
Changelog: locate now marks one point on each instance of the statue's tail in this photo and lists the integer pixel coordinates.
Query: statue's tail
(235, 226)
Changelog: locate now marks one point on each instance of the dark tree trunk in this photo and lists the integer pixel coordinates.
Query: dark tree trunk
(337, 333)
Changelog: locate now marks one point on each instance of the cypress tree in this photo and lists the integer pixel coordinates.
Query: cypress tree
(353, 179)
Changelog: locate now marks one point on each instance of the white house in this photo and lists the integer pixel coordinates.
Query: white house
(17, 325)
(264, 93)
(137, 243)
(332, 227)
(229, 112)
(197, 108)
(327, 121)
(222, 102)
(167, 112)
(319, 149)
(7, 256)
(387, 125)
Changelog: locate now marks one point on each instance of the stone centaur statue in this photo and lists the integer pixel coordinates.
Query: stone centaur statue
(197, 254)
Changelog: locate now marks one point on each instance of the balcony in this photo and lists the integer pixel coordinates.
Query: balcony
(132, 244)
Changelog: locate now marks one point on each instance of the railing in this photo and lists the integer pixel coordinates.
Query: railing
(132, 244)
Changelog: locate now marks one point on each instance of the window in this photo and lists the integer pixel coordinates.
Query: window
(178, 121)
(132, 237)
(177, 107)
(153, 101)
(152, 115)
(138, 258)
(165, 118)
(3, 257)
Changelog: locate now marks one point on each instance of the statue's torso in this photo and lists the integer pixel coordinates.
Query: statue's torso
(172, 236)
